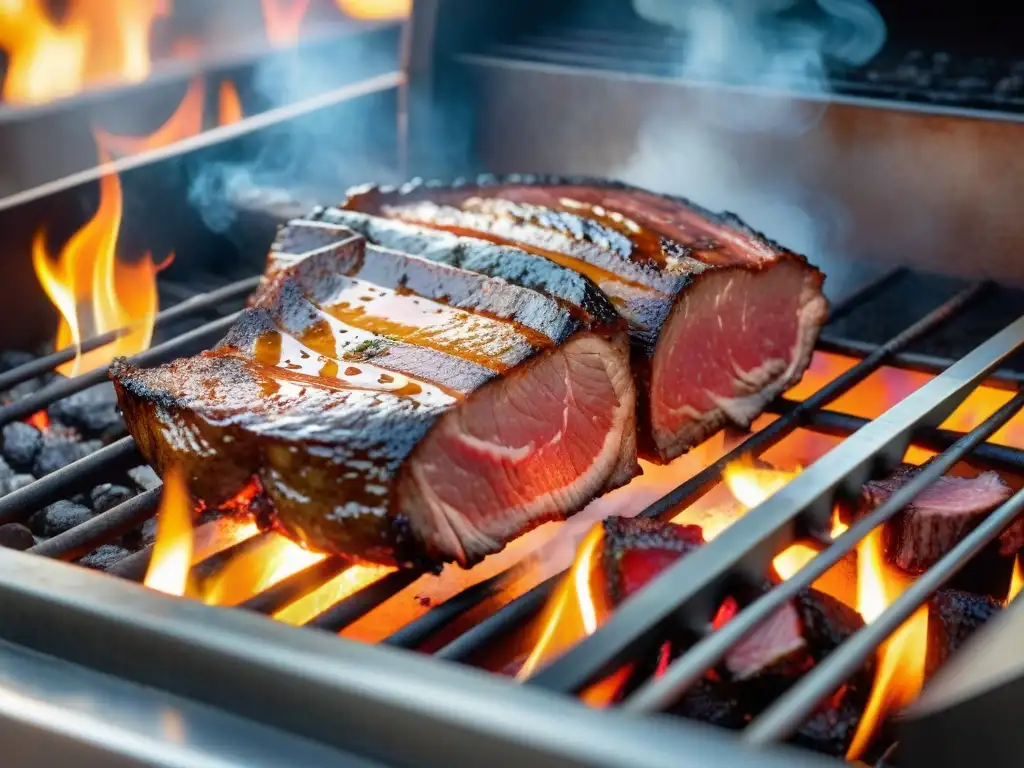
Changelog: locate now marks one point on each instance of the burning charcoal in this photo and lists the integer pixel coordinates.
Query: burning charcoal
(938, 518)
(108, 496)
(22, 444)
(58, 517)
(13, 483)
(93, 411)
(953, 616)
(16, 536)
(14, 358)
(58, 452)
(144, 477)
(104, 557)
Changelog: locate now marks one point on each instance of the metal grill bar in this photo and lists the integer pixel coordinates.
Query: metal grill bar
(194, 305)
(706, 653)
(358, 604)
(866, 292)
(303, 582)
(186, 343)
(703, 481)
(691, 588)
(793, 707)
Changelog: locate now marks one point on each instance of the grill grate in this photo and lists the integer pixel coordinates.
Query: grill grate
(744, 547)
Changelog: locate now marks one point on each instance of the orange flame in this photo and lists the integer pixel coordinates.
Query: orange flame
(95, 41)
(559, 631)
(185, 121)
(348, 582)
(94, 291)
(901, 658)
(1016, 581)
(40, 420)
(172, 550)
(284, 20)
(375, 10)
(229, 104)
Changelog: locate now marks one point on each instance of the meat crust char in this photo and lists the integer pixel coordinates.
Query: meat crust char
(394, 409)
(721, 319)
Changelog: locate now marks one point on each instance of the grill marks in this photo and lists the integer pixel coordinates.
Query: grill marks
(395, 409)
(721, 319)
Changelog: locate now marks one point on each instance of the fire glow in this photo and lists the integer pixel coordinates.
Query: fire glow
(267, 560)
(94, 291)
(96, 41)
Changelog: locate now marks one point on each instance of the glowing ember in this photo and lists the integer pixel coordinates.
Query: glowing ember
(901, 659)
(1017, 580)
(284, 20)
(559, 632)
(229, 104)
(94, 291)
(172, 551)
(185, 121)
(40, 420)
(377, 10)
(93, 42)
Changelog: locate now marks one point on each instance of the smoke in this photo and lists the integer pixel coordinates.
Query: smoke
(323, 150)
(744, 147)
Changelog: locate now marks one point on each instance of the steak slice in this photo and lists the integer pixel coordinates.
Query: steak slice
(941, 515)
(721, 319)
(395, 410)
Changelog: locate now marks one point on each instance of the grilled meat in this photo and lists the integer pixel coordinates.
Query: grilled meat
(953, 616)
(395, 410)
(721, 319)
(938, 518)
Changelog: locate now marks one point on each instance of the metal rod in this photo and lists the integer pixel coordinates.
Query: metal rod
(843, 424)
(84, 538)
(183, 344)
(195, 304)
(691, 588)
(358, 604)
(692, 665)
(297, 585)
(786, 714)
(707, 478)
(865, 293)
(66, 481)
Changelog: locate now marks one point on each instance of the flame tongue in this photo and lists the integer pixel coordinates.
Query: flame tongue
(172, 551)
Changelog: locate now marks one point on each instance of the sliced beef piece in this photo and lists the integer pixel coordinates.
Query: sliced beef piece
(953, 616)
(938, 518)
(396, 410)
(721, 319)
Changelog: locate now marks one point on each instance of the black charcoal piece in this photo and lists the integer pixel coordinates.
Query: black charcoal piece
(22, 443)
(144, 477)
(59, 517)
(5, 469)
(108, 496)
(93, 411)
(141, 537)
(14, 358)
(104, 557)
(14, 482)
(58, 452)
(16, 536)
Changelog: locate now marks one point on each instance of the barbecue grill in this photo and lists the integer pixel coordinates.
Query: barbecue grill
(96, 670)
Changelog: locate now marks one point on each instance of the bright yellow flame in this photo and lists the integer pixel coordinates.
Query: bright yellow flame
(256, 568)
(1017, 581)
(172, 550)
(901, 659)
(283, 20)
(346, 583)
(94, 41)
(375, 10)
(558, 632)
(185, 121)
(752, 485)
(95, 292)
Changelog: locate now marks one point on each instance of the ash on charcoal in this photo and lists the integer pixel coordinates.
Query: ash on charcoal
(16, 536)
(108, 496)
(144, 477)
(104, 557)
(58, 451)
(5, 468)
(59, 517)
(93, 411)
(13, 483)
(21, 445)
